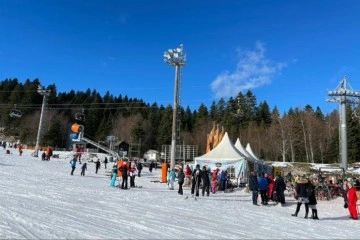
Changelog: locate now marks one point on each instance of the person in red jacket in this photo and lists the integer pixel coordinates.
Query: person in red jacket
(188, 173)
(352, 200)
(270, 186)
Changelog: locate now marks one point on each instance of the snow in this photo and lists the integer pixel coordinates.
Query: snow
(280, 164)
(41, 200)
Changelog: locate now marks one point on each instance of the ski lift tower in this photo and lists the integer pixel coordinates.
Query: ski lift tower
(343, 94)
(177, 58)
(45, 93)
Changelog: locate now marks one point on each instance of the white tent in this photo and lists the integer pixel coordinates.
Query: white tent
(224, 155)
(250, 151)
(248, 156)
(261, 167)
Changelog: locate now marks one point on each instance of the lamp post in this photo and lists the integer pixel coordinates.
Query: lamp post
(177, 58)
(45, 93)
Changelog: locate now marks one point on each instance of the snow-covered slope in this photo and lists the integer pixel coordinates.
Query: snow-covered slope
(41, 200)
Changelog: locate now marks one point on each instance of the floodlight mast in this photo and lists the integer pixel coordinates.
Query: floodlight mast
(343, 95)
(45, 93)
(177, 58)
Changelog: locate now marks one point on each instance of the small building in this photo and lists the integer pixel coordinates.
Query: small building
(122, 148)
(151, 155)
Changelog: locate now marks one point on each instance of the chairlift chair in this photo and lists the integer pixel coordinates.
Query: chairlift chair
(14, 113)
(80, 116)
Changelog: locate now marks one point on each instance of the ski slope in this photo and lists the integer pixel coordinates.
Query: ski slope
(41, 200)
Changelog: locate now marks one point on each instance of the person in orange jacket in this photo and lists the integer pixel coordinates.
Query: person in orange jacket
(352, 200)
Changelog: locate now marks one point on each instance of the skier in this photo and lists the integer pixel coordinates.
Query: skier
(97, 166)
(73, 165)
(195, 183)
(83, 169)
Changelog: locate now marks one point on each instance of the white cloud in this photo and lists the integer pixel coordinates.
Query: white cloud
(107, 61)
(252, 70)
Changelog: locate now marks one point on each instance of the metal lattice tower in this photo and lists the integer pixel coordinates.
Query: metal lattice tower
(343, 94)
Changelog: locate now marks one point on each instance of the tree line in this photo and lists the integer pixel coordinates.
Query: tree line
(297, 135)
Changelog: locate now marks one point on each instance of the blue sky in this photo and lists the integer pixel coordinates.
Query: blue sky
(288, 53)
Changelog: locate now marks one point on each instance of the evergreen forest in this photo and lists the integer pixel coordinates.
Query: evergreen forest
(297, 135)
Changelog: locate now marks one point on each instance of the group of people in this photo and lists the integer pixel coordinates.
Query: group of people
(270, 189)
(206, 179)
(200, 179)
(75, 160)
(126, 170)
(47, 154)
(305, 193)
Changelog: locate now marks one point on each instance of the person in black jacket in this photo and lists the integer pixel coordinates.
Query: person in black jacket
(206, 181)
(312, 199)
(124, 175)
(105, 162)
(97, 166)
(279, 188)
(139, 168)
(181, 178)
(195, 182)
(302, 185)
(254, 187)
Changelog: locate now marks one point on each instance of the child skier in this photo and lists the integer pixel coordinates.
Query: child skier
(83, 169)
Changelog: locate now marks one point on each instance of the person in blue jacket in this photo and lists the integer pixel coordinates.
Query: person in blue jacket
(262, 182)
(172, 177)
(113, 177)
(223, 177)
(73, 165)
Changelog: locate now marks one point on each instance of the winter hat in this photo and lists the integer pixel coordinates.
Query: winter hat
(351, 182)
